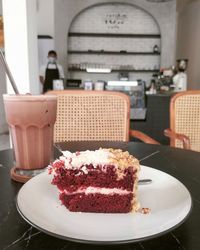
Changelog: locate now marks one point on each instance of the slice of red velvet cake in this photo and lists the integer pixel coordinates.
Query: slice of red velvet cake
(101, 181)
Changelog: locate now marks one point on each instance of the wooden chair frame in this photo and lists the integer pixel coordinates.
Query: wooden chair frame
(170, 132)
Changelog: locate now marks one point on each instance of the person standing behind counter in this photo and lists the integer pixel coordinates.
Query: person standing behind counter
(50, 71)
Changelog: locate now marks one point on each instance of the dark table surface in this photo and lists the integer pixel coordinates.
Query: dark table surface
(17, 234)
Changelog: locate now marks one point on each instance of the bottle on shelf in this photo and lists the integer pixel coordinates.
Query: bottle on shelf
(156, 49)
(152, 89)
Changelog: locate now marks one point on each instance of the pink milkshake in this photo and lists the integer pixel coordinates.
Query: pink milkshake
(31, 120)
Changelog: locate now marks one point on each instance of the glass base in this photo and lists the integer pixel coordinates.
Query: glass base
(29, 173)
(22, 175)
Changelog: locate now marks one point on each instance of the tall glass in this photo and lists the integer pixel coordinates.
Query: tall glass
(31, 120)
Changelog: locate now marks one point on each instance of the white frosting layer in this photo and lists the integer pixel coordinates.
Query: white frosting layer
(75, 160)
(95, 190)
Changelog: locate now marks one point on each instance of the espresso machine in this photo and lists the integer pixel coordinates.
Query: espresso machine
(136, 91)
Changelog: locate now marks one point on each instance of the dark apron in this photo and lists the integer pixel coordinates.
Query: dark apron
(50, 75)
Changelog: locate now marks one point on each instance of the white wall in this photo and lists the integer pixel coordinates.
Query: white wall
(164, 13)
(45, 17)
(20, 34)
(188, 41)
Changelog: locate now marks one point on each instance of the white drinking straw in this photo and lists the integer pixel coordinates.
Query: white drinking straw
(7, 70)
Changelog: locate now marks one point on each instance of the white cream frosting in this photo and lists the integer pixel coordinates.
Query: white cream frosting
(96, 190)
(75, 160)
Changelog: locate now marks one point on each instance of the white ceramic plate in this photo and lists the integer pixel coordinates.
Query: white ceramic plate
(169, 201)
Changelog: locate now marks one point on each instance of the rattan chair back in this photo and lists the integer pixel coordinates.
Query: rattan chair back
(91, 116)
(185, 118)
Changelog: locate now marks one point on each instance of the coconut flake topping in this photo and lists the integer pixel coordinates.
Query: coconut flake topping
(75, 160)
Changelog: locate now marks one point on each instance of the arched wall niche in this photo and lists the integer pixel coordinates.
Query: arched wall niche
(117, 36)
(164, 14)
(116, 8)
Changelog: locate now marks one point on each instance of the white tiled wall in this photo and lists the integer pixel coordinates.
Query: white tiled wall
(134, 19)
(118, 19)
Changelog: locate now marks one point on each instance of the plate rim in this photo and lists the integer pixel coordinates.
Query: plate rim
(109, 242)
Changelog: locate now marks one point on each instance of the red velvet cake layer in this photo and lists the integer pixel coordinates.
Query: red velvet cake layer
(97, 203)
(71, 180)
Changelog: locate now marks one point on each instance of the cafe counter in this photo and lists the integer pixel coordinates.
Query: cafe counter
(157, 117)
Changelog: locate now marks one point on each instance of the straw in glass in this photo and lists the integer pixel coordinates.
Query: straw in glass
(7, 70)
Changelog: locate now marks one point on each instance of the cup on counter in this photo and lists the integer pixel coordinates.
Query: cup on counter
(58, 84)
(31, 121)
(99, 85)
(88, 85)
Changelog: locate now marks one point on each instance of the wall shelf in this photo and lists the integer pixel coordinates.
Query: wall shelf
(77, 34)
(118, 70)
(90, 52)
(103, 52)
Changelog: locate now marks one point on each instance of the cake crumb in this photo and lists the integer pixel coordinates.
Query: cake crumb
(144, 210)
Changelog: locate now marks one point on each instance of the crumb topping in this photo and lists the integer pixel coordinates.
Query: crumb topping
(122, 159)
(101, 157)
